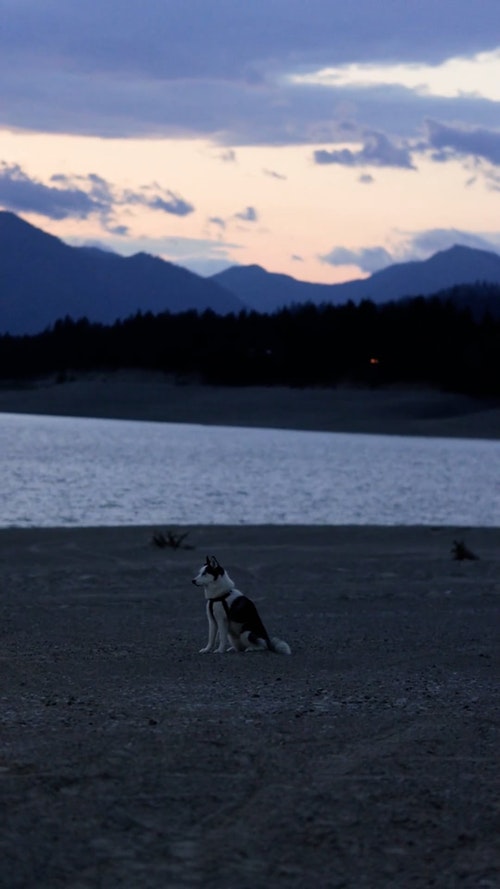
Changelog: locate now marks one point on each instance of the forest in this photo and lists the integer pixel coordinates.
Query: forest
(438, 341)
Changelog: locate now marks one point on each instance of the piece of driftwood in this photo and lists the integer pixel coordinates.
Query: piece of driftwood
(460, 551)
(169, 538)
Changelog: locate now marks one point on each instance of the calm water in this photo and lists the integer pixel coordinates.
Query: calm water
(65, 471)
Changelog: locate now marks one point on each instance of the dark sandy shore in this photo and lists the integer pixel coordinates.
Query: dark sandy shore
(369, 758)
(148, 396)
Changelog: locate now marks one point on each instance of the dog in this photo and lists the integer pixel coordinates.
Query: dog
(234, 623)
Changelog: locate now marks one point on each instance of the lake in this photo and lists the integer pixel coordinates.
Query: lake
(65, 471)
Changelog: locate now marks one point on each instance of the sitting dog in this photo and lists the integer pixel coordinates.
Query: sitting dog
(234, 623)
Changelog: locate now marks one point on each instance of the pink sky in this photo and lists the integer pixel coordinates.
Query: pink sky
(325, 150)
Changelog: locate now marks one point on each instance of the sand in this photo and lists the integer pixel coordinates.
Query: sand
(366, 759)
(148, 396)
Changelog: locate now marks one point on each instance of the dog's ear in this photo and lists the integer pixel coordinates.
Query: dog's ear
(212, 562)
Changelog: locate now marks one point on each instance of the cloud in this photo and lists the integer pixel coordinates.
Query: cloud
(21, 194)
(249, 214)
(121, 230)
(422, 244)
(273, 174)
(459, 140)
(408, 247)
(229, 156)
(476, 75)
(492, 180)
(226, 70)
(368, 259)
(110, 37)
(79, 197)
(172, 204)
(217, 221)
(378, 151)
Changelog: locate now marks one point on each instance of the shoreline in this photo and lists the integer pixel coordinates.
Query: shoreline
(154, 397)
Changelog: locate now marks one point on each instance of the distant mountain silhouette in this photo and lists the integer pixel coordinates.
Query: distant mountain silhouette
(43, 279)
(267, 292)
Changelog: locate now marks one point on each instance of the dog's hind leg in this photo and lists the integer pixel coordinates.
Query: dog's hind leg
(252, 642)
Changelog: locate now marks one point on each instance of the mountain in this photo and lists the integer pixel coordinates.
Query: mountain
(42, 279)
(267, 292)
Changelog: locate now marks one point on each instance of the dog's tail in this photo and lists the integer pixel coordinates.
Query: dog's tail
(279, 646)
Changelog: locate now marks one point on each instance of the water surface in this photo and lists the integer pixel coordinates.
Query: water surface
(66, 471)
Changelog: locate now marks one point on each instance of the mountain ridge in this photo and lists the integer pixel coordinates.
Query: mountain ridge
(43, 280)
(457, 265)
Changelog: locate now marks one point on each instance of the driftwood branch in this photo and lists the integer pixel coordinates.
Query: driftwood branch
(170, 539)
(460, 551)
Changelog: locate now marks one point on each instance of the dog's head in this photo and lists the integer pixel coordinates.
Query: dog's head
(209, 572)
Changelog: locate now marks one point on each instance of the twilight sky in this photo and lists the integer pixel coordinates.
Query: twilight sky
(320, 139)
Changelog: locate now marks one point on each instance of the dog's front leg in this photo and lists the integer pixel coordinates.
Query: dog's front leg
(212, 633)
(222, 627)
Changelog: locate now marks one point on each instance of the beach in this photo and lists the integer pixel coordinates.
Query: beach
(366, 759)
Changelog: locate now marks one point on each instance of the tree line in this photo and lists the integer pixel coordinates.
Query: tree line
(433, 341)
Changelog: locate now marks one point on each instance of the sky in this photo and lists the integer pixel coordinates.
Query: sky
(322, 139)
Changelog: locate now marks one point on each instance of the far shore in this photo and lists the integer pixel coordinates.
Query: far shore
(135, 395)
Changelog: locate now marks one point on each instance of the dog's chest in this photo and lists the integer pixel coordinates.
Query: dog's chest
(233, 609)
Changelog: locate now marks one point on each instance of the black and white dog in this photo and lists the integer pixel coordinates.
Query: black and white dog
(234, 623)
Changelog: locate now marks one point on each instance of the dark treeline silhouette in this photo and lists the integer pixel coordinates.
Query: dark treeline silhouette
(433, 341)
